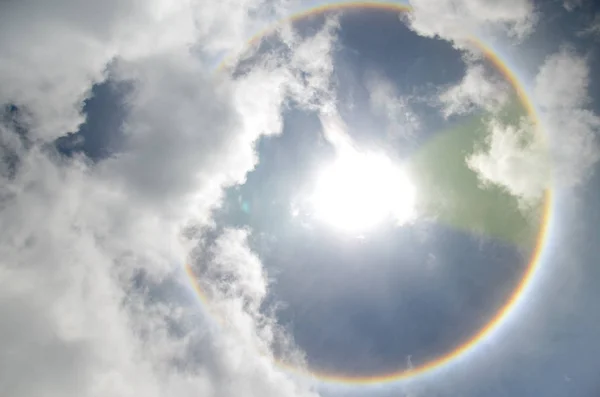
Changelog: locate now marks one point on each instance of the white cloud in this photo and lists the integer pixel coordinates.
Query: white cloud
(555, 90)
(184, 137)
(571, 5)
(457, 20)
(189, 137)
(479, 89)
(312, 56)
(67, 333)
(516, 157)
(513, 152)
(53, 53)
(236, 283)
(78, 238)
(561, 91)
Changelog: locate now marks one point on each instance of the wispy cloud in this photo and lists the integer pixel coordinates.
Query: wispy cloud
(571, 5)
(594, 28)
(402, 121)
(561, 91)
(479, 89)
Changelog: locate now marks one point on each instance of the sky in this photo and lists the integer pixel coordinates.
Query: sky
(299, 198)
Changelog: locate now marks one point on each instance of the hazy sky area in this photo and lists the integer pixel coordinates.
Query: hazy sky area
(299, 198)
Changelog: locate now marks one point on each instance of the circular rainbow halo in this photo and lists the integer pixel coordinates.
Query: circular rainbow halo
(359, 191)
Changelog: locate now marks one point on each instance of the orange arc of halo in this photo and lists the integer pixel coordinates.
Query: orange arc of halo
(533, 264)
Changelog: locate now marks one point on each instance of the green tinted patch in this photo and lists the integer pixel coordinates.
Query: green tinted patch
(451, 193)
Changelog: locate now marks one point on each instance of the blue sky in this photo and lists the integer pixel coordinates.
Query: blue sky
(126, 156)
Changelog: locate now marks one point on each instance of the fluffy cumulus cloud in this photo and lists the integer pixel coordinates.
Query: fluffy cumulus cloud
(457, 20)
(87, 249)
(54, 52)
(38, 38)
(562, 151)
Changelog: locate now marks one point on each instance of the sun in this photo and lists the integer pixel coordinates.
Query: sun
(359, 191)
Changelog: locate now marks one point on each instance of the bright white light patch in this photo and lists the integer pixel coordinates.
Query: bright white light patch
(359, 191)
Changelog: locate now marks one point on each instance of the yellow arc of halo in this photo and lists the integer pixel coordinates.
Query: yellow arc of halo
(534, 262)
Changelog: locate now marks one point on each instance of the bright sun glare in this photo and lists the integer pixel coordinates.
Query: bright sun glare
(359, 191)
